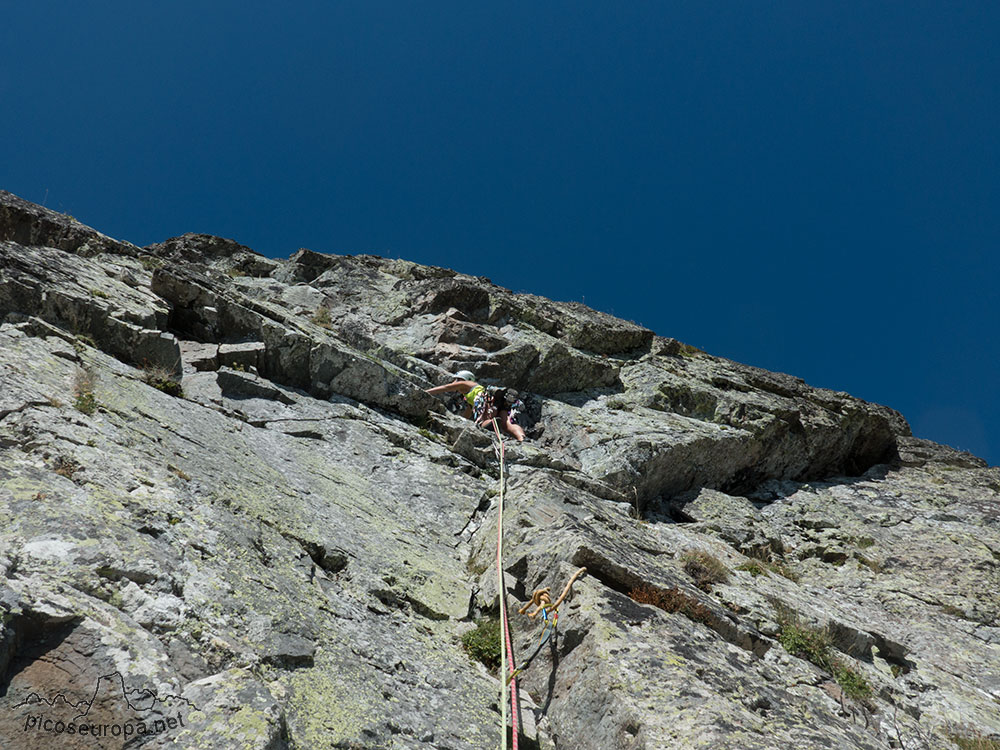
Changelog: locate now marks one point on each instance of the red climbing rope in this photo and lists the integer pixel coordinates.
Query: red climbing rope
(506, 652)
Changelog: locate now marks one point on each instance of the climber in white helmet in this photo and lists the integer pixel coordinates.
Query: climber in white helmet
(484, 403)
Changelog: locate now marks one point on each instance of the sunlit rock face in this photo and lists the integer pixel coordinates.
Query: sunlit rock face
(232, 517)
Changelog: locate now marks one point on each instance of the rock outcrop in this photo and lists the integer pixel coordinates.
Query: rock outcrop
(232, 517)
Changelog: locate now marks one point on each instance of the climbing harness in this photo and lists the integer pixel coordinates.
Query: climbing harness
(492, 401)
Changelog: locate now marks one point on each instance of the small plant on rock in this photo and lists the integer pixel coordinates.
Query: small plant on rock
(82, 341)
(672, 600)
(972, 740)
(162, 379)
(783, 570)
(753, 567)
(483, 643)
(322, 317)
(765, 560)
(705, 569)
(798, 639)
(854, 685)
(873, 565)
(814, 645)
(951, 609)
(636, 510)
(66, 467)
(178, 472)
(83, 390)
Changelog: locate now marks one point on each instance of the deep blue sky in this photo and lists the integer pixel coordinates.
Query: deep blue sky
(811, 187)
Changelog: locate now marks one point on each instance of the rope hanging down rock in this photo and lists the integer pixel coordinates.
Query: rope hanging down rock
(506, 652)
(540, 599)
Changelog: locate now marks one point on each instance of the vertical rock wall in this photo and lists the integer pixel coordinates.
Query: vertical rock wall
(232, 517)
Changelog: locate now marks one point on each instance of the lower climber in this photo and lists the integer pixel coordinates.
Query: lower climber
(483, 403)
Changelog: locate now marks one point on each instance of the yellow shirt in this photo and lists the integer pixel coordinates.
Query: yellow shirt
(470, 397)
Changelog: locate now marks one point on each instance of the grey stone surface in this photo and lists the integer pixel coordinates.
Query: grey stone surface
(28, 224)
(288, 555)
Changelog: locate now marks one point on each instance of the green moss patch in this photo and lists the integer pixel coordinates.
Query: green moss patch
(483, 643)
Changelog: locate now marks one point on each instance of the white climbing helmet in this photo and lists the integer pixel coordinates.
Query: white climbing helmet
(463, 375)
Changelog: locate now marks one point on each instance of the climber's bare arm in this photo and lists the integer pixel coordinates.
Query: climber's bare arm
(462, 386)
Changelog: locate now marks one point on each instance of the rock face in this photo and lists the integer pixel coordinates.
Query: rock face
(232, 517)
